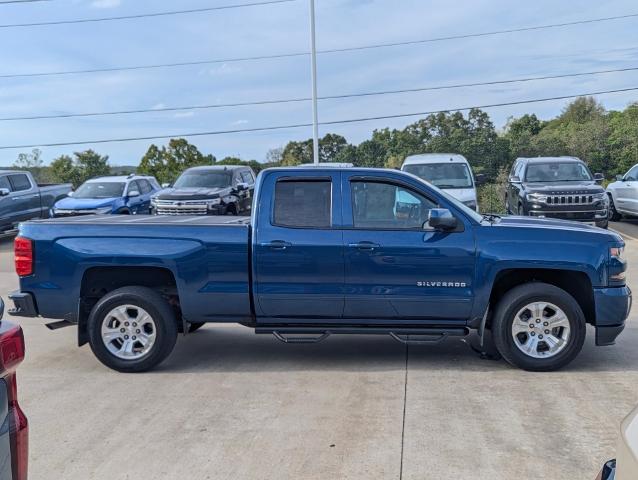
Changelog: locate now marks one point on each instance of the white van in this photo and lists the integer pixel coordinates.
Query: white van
(448, 171)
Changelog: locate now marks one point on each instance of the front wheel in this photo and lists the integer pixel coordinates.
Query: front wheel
(538, 327)
(614, 216)
(132, 329)
(604, 224)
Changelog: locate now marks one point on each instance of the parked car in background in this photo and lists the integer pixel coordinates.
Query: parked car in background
(448, 171)
(127, 195)
(625, 466)
(623, 195)
(328, 250)
(21, 198)
(209, 190)
(556, 187)
(14, 433)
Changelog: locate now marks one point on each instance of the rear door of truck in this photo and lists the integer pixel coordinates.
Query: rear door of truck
(298, 246)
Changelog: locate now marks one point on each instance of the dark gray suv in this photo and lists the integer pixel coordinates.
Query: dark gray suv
(556, 187)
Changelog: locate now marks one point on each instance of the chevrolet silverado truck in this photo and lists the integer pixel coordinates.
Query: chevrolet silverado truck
(208, 190)
(21, 198)
(327, 250)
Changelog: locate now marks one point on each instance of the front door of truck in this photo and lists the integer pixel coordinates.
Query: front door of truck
(627, 192)
(393, 267)
(298, 246)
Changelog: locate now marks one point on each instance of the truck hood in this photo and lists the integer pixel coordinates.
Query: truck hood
(567, 188)
(192, 193)
(71, 203)
(461, 194)
(531, 222)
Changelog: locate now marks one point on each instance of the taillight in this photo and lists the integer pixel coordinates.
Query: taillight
(23, 250)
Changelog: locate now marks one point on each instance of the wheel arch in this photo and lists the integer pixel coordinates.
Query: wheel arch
(574, 282)
(98, 281)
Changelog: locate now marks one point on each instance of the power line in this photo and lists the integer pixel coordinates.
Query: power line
(306, 99)
(4, 2)
(301, 125)
(143, 15)
(301, 54)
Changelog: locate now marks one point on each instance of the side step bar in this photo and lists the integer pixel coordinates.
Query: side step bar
(424, 336)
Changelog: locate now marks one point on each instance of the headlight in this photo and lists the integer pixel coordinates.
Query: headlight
(536, 197)
(213, 202)
(154, 201)
(599, 196)
(618, 252)
(103, 210)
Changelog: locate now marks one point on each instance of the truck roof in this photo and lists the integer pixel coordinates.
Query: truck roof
(218, 167)
(550, 159)
(435, 158)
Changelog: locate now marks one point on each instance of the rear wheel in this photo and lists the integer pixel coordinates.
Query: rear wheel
(132, 329)
(538, 327)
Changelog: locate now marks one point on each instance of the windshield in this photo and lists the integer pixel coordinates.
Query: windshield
(204, 179)
(443, 175)
(557, 172)
(100, 190)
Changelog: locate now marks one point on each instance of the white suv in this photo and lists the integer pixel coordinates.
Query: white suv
(623, 195)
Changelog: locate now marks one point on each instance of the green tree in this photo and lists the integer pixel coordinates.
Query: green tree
(83, 166)
(33, 163)
(330, 147)
(166, 163)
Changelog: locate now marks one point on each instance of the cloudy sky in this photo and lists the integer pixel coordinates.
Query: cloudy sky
(280, 29)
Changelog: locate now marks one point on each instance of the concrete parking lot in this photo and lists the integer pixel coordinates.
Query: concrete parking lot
(229, 404)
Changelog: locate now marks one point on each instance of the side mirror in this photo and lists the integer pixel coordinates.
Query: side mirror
(515, 179)
(241, 187)
(4, 192)
(133, 193)
(480, 179)
(599, 177)
(166, 185)
(441, 219)
(619, 178)
(70, 194)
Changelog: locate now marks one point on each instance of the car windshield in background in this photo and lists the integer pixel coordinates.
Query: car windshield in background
(203, 179)
(100, 190)
(443, 175)
(557, 172)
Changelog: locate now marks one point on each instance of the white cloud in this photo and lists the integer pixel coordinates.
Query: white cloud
(106, 3)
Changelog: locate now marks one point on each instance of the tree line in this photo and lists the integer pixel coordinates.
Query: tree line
(606, 140)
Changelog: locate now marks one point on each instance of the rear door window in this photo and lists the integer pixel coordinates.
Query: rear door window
(303, 203)
(20, 182)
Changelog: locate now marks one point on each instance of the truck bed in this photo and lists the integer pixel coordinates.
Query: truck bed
(148, 220)
(207, 256)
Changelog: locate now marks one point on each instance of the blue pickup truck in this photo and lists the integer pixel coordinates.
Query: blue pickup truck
(327, 250)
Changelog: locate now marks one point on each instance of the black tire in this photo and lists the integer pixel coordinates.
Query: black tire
(614, 216)
(515, 300)
(231, 210)
(604, 224)
(159, 310)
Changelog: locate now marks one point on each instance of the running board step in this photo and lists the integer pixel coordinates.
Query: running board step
(424, 336)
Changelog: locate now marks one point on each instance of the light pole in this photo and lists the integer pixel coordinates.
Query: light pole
(313, 61)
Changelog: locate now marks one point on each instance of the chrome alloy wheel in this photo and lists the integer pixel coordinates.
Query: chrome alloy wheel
(541, 330)
(128, 332)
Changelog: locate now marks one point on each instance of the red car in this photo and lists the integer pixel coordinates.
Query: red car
(14, 436)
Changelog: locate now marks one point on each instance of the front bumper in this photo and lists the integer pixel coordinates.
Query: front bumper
(612, 309)
(24, 305)
(591, 216)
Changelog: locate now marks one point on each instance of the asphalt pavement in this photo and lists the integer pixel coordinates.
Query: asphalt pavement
(229, 404)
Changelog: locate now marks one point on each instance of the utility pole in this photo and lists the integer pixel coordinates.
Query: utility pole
(313, 54)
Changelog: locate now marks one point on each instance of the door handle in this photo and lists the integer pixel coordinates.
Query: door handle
(364, 245)
(276, 245)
